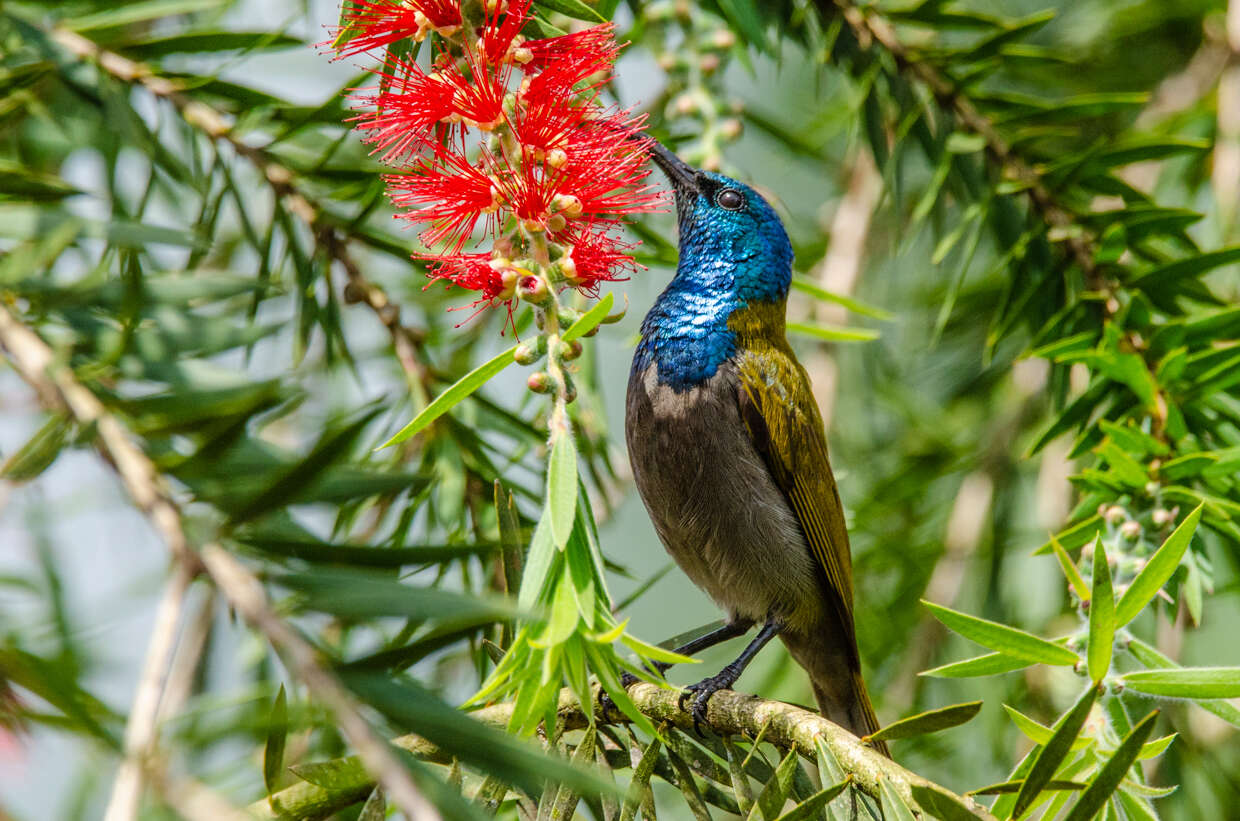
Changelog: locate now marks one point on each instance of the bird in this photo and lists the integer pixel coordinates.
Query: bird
(728, 450)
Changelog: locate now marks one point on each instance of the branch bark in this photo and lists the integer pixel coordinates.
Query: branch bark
(728, 714)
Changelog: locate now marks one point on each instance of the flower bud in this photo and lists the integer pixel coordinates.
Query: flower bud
(556, 223)
(527, 354)
(1130, 530)
(1115, 514)
(568, 269)
(723, 39)
(709, 63)
(533, 290)
(557, 158)
(569, 205)
(1162, 517)
(730, 128)
(539, 382)
(570, 350)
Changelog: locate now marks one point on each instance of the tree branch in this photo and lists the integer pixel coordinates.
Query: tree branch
(57, 387)
(728, 713)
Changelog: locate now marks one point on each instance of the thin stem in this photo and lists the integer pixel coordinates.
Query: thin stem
(142, 730)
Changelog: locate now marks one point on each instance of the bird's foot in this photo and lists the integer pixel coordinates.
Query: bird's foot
(703, 690)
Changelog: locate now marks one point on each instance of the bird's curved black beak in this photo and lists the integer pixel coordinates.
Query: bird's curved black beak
(683, 176)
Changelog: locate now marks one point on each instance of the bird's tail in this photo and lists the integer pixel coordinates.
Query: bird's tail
(838, 686)
(852, 710)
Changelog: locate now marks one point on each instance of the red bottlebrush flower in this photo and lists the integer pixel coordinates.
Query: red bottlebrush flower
(383, 22)
(592, 255)
(539, 158)
(450, 193)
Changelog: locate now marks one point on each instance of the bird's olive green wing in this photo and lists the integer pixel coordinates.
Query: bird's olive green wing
(779, 410)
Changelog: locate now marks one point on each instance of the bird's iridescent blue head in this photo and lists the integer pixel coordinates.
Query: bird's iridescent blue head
(734, 258)
(725, 222)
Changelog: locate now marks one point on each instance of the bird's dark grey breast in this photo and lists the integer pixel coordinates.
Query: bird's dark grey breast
(713, 502)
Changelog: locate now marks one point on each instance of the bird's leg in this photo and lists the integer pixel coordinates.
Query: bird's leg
(725, 678)
(729, 630)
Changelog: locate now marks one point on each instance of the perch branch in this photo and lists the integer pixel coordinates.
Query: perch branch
(728, 713)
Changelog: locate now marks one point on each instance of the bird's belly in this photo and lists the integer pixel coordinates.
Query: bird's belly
(714, 504)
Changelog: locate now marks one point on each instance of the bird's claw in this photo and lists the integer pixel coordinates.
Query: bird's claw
(701, 693)
(605, 701)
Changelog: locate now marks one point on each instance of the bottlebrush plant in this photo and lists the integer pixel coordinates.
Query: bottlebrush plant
(520, 176)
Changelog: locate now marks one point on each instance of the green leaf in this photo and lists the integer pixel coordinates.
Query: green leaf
(1158, 570)
(273, 749)
(771, 800)
(1075, 536)
(991, 664)
(331, 448)
(127, 14)
(1101, 617)
(40, 450)
(1008, 787)
(360, 595)
(823, 295)
(812, 806)
(943, 806)
(591, 319)
(537, 564)
(931, 721)
(1150, 657)
(450, 398)
(832, 333)
(574, 9)
(1070, 570)
(640, 784)
(562, 487)
(1173, 272)
(1004, 639)
(1038, 733)
(1186, 682)
(1112, 773)
(1155, 748)
(1053, 753)
(893, 806)
(745, 18)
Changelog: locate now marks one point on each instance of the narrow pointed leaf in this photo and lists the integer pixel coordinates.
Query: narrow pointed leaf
(1112, 773)
(1158, 570)
(931, 721)
(641, 779)
(1052, 755)
(450, 398)
(273, 750)
(590, 320)
(810, 807)
(941, 805)
(562, 488)
(1186, 682)
(1005, 787)
(991, 664)
(894, 807)
(1070, 570)
(1007, 640)
(1101, 616)
(771, 800)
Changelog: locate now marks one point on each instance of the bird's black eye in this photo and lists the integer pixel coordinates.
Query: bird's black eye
(730, 199)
